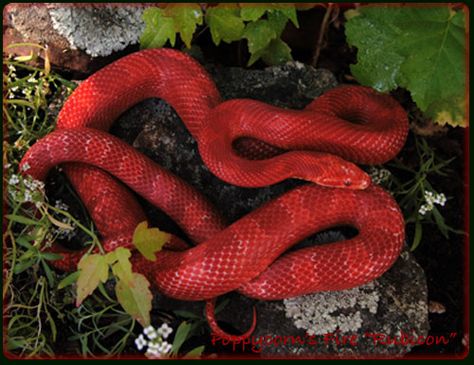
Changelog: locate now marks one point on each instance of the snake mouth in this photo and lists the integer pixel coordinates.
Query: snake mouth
(361, 182)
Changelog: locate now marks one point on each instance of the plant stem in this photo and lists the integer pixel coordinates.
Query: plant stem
(322, 32)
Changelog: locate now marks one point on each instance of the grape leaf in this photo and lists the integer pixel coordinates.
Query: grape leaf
(288, 10)
(93, 270)
(277, 52)
(158, 30)
(224, 23)
(259, 34)
(162, 24)
(149, 240)
(185, 18)
(419, 48)
(135, 297)
(252, 12)
(277, 21)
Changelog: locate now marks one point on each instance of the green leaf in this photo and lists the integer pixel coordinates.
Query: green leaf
(158, 29)
(24, 241)
(259, 34)
(277, 53)
(21, 219)
(51, 256)
(16, 343)
(23, 265)
(185, 17)
(196, 352)
(277, 20)
(418, 235)
(288, 10)
(149, 240)
(224, 23)
(251, 12)
(135, 297)
(440, 222)
(93, 270)
(68, 280)
(419, 48)
(48, 272)
(121, 266)
(181, 335)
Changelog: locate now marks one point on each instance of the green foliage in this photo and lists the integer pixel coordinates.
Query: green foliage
(225, 23)
(93, 270)
(164, 23)
(100, 325)
(38, 302)
(33, 311)
(135, 297)
(260, 25)
(422, 49)
(413, 191)
(149, 240)
(132, 289)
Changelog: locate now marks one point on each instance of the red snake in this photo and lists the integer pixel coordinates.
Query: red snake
(347, 123)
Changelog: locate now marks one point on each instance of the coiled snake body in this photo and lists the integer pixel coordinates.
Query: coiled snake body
(315, 144)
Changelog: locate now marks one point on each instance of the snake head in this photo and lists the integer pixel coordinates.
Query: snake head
(335, 172)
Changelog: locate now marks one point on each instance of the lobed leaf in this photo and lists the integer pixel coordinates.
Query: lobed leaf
(149, 240)
(225, 23)
(93, 270)
(185, 19)
(158, 30)
(135, 297)
(419, 48)
(121, 266)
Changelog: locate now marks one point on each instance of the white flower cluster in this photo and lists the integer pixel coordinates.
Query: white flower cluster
(157, 346)
(431, 199)
(379, 176)
(25, 189)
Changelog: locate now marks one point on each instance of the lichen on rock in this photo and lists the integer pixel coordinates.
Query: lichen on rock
(98, 30)
(326, 312)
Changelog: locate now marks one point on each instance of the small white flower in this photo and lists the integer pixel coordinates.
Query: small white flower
(32, 80)
(7, 165)
(14, 179)
(150, 332)
(165, 330)
(165, 347)
(440, 199)
(152, 353)
(25, 167)
(28, 197)
(425, 208)
(60, 205)
(140, 342)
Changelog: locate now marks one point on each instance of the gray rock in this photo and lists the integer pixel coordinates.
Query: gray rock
(99, 30)
(394, 304)
(80, 38)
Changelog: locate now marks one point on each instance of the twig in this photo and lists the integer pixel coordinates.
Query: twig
(322, 32)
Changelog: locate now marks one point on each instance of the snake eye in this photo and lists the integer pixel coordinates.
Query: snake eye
(347, 182)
